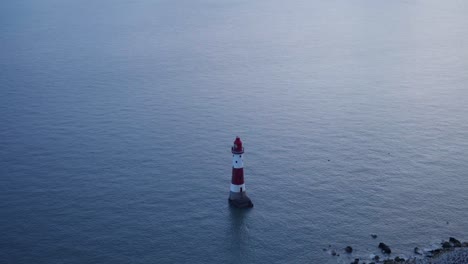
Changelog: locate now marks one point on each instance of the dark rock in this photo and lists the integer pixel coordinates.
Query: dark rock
(376, 258)
(398, 259)
(333, 252)
(348, 249)
(374, 236)
(455, 242)
(446, 245)
(385, 249)
(356, 261)
(435, 252)
(464, 244)
(371, 262)
(417, 251)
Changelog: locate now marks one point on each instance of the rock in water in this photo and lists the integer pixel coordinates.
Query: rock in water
(435, 252)
(455, 242)
(417, 251)
(385, 249)
(348, 249)
(374, 236)
(446, 245)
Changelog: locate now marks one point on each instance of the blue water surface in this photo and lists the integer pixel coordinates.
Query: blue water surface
(116, 120)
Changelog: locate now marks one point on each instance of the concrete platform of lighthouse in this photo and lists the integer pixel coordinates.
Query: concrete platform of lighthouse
(240, 201)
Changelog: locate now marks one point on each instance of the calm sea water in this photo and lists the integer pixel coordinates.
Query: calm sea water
(116, 120)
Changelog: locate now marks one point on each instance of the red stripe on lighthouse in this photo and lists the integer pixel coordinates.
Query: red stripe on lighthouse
(237, 176)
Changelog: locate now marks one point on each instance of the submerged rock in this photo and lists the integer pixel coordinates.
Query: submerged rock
(417, 251)
(348, 249)
(385, 249)
(374, 236)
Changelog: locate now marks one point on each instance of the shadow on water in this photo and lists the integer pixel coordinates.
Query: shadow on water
(239, 234)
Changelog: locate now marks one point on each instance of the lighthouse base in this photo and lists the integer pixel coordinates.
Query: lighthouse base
(240, 200)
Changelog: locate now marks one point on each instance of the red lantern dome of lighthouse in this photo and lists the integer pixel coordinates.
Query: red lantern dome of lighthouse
(237, 147)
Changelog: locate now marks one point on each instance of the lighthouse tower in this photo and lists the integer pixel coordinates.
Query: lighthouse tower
(237, 196)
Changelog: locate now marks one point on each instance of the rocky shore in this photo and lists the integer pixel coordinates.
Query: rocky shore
(449, 252)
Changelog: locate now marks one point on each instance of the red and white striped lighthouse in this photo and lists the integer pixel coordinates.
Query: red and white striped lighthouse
(237, 196)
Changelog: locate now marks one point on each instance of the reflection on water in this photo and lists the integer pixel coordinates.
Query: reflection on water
(240, 240)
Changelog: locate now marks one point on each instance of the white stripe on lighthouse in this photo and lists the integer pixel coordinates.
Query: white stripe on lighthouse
(237, 161)
(236, 188)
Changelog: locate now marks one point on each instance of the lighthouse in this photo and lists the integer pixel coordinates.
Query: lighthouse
(238, 196)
